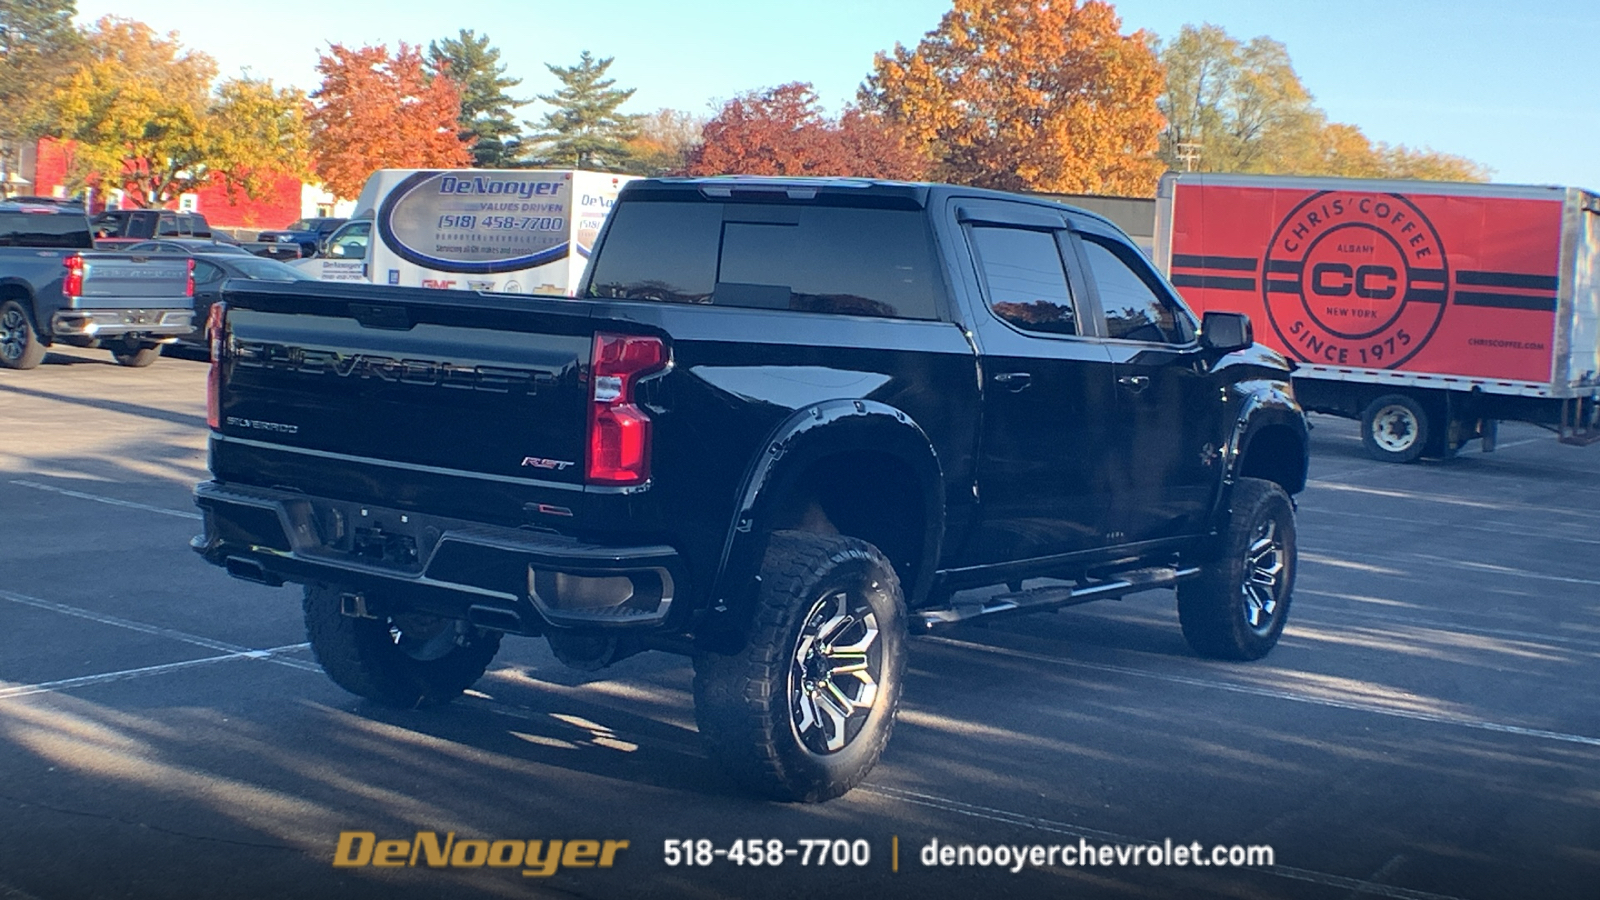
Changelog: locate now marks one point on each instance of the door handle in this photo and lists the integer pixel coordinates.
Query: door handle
(1134, 383)
(1014, 381)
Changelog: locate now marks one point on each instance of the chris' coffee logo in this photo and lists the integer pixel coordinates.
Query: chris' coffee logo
(1355, 279)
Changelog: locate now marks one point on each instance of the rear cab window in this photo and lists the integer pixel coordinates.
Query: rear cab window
(807, 257)
(45, 229)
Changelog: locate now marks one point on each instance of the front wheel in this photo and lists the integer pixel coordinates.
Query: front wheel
(803, 711)
(136, 356)
(1395, 428)
(1238, 605)
(404, 660)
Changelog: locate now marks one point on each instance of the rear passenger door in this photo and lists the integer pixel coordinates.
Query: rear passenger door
(1047, 388)
(1170, 422)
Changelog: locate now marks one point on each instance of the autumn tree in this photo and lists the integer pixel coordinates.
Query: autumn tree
(486, 119)
(141, 116)
(585, 129)
(375, 110)
(39, 49)
(663, 142)
(1044, 95)
(1235, 106)
(783, 131)
(1232, 106)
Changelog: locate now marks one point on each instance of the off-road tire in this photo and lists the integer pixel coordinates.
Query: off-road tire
(1395, 428)
(136, 357)
(751, 706)
(365, 657)
(1236, 608)
(19, 340)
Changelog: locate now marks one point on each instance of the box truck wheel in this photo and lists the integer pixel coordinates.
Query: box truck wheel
(1394, 428)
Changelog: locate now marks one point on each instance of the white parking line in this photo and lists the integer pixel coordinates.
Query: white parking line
(156, 630)
(960, 808)
(1291, 696)
(45, 687)
(178, 513)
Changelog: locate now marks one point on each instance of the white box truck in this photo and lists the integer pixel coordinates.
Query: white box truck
(518, 231)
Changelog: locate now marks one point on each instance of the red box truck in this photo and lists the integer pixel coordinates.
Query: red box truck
(1430, 311)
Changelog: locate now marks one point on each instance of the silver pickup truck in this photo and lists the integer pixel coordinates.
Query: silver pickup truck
(55, 287)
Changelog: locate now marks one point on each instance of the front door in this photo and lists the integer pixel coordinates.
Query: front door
(1170, 423)
(1047, 391)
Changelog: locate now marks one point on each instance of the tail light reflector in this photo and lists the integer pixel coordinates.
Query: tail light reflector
(619, 431)
(191, 276)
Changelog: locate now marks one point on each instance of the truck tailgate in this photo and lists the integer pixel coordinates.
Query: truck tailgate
(406, 398)
(124, 279)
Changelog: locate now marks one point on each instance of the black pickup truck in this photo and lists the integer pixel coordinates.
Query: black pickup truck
(785, 425)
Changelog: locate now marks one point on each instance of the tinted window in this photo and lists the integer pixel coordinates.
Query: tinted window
(846, 260)
(45, 230)
(1024, 278)
(206, 273)
(168, 227)
(266, 270)
(659, 251)
(1136, 308)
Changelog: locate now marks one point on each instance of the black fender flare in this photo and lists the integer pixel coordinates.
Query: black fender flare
(1266, 404)
(806, 436)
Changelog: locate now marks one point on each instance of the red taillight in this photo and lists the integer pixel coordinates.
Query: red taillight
(619, 431)
(214, 333)
(72, 282)
(191, 277)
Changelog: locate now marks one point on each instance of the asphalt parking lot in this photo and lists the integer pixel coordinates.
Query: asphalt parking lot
(1428, 727)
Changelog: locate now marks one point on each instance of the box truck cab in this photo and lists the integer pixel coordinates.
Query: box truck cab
(519, 231)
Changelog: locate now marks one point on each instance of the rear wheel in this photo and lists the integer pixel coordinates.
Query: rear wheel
(803, 711)
(1395, 428)
(19, 342)
(136, 356)
(404, 660)
(1237, 607)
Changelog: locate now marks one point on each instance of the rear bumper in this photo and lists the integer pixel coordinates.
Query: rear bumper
(100, 323)
(508, 579)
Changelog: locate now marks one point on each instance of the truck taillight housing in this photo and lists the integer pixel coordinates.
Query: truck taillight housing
(72, 282)
(191, 277)
(214, 332)
(619, 431)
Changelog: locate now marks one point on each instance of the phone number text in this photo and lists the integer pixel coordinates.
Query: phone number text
(768, 852)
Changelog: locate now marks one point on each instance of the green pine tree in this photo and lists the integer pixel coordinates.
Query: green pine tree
(485, 106)
(585, 130)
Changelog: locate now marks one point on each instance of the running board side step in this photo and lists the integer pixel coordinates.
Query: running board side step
(1055, 596)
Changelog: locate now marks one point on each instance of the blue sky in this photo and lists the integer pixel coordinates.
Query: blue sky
(1511, 85)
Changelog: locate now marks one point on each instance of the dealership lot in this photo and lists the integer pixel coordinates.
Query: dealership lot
(1427, 728)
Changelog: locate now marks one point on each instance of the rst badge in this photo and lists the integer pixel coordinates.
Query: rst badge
(539, 462)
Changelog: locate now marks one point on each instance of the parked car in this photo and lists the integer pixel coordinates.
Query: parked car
(213, 267)
(180, 245)
(307, 233)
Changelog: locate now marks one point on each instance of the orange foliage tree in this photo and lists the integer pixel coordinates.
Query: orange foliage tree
(377, 111)
(1042, 95)
(782, 131)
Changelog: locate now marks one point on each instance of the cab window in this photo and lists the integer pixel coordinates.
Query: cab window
(1024, 280)
(1136, 306)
